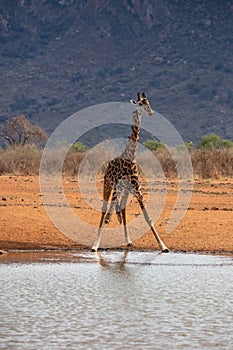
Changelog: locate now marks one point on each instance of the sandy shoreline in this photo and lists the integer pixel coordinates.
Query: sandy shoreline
(206, 227)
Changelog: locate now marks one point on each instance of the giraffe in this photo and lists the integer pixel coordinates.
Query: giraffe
(121, 178)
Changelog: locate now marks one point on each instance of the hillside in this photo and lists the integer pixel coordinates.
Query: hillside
(59, 56)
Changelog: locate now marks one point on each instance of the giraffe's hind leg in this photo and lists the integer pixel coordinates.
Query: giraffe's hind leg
(118, 209)
(105, 218)
(123, 212)
(112, 207)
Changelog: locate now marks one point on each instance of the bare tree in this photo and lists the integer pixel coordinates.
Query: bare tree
(19, 131)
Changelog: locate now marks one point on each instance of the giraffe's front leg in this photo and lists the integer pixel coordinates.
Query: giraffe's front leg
(149, 221)
(106, 195)
(105, 219)
(99, 235)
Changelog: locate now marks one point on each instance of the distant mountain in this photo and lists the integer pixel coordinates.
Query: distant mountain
(59, 56)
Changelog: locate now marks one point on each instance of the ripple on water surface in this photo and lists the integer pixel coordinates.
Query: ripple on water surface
(117, 300)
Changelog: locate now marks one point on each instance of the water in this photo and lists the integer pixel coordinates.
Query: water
(115, 300)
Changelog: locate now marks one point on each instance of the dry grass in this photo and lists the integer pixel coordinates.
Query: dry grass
(72, 163)
(215, 164)
(23, 160)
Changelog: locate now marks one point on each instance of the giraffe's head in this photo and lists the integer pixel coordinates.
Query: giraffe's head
(142, 104)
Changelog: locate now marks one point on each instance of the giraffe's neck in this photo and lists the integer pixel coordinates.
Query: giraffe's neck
(130, 151)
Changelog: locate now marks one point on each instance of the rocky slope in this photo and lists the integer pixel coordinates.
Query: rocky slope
(58, 56)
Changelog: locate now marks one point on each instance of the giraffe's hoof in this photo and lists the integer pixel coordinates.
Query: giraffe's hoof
(129, 245)
(166, 250)
(93, 250)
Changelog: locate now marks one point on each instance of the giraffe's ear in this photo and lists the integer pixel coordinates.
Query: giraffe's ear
(133, 102)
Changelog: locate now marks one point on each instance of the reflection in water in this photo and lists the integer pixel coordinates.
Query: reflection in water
(118, 264)
(130, 300)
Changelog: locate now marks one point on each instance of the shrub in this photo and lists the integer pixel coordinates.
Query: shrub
(79, 147)
(206, 162)
(227, 144)
(72, 163)
(210, 141)
(153, 145)
(214, 141)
